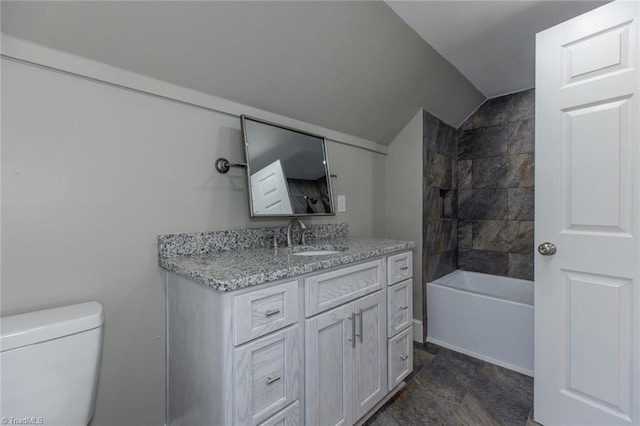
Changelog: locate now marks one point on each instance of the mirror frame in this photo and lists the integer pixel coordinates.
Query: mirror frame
(252, 214)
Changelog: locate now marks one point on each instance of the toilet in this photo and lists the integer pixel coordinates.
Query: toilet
(49, 363)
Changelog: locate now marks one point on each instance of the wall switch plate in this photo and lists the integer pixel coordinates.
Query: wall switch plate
(342, 204)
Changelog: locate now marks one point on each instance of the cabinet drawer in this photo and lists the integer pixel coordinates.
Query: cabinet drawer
(331, 289)
(267, 376)
(290, 416)
(400, 267)
(399, 307)
(400, 357)
(260, 312)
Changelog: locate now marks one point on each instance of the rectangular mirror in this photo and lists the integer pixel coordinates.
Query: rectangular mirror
(287, 171)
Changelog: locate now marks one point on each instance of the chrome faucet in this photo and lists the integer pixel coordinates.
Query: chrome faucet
(290, 227)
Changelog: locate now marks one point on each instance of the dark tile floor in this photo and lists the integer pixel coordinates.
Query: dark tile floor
(449, 388)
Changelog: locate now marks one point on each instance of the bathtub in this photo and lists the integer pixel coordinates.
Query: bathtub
(484, 316)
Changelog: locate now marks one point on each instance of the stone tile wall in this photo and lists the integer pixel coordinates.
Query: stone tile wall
(440, 198)
(495, 179)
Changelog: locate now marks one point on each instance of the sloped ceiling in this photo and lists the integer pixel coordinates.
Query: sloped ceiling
(491, 42)
(355, 67)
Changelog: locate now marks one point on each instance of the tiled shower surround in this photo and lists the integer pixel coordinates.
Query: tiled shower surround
(478, 190)
(440, 223)
(495, 181)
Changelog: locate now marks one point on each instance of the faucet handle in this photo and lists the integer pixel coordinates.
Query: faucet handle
(275, 242)
(303, 240)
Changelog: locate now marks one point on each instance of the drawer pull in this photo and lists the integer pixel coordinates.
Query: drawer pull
(404, 357)
(272, 312)
(404, 268)
(404, 308)
(272, 379)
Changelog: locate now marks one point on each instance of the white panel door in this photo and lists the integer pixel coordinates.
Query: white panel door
(269, 190)
(329, 346)
(587, 297)
(370, 366)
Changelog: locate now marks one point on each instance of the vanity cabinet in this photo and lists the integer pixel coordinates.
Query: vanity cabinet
(325, 348)
(234, 358)
(345, 361)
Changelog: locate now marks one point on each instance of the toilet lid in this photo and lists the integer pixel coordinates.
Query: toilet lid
(30, 328)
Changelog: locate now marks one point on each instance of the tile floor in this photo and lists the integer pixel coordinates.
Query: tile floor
(449, 388)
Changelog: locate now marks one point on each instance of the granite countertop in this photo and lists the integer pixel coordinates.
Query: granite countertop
(234, 269)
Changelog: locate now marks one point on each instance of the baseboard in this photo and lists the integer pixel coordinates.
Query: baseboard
(481, 357)
(417, 331)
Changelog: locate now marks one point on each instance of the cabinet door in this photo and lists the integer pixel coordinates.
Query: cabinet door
(329, 340)
(267, 376)
(370, 366)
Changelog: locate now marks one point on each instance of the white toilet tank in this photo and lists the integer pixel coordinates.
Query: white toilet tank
(49, 364)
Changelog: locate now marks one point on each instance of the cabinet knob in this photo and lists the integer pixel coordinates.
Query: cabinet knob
(404, 357)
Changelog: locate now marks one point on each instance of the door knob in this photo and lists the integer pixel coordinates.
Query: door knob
(547, 249)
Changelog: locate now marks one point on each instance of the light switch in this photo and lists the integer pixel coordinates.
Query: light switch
(342, 204)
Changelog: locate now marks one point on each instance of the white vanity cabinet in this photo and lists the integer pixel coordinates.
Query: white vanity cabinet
(319, 349)
(234, 358)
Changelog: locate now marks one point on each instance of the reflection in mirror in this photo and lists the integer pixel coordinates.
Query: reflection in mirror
(287, 171)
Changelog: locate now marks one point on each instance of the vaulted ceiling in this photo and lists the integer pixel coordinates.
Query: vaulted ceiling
(491, 42)
(352, 66)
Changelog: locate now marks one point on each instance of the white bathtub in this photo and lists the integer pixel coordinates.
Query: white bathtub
(484, 316)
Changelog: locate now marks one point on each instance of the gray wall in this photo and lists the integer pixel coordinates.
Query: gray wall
(91, 174)
(352, 66)
(495, 180)
(403, 213)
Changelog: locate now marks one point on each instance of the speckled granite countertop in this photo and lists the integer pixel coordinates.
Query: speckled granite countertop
(234, 269)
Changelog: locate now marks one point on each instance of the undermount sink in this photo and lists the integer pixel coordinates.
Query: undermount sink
(316, 250)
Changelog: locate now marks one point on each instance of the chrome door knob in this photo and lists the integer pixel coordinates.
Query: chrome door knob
(547, 249)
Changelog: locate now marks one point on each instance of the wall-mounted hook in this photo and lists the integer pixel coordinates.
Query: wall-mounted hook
(223, 165)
